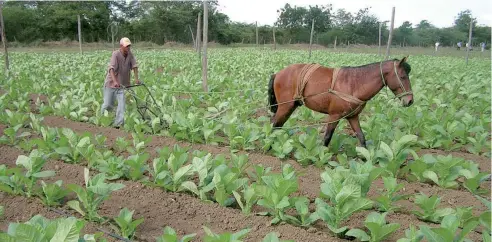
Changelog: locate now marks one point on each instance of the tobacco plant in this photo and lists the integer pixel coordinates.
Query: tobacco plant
(91, 196)
(378, 227)
(345, 197)
(126, 225)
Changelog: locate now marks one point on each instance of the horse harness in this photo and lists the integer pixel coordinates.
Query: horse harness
(405, 92)
(304, 77)
(309, 69)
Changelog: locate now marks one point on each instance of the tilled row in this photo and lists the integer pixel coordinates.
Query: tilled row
(309, 182)
(160, 208)
(309, 178)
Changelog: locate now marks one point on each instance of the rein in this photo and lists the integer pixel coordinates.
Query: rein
(405, 92)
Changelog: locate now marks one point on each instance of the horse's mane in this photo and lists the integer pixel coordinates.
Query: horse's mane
(406, 67)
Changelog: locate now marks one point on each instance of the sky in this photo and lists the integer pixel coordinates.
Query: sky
(440, 13)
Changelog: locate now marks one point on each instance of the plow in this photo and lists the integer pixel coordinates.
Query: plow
(146, 106)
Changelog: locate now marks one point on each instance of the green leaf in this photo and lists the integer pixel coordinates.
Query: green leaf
(405, 140)
(431, 176)
(24, 161)
(359, 234)
(68, 230)
(355, 205)
(348, 192)
(486, 237)
(83, 142)
(190, 186)
(26, 233)
(387, 230)
(364, 152)
(450, 222)
(76, 206)
(44, 174)
(63, 150)
(183, 171)
(387, 151)
(431, 236)
(485, 220)
(469, 226)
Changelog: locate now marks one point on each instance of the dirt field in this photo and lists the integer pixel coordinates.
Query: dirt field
(187, 214)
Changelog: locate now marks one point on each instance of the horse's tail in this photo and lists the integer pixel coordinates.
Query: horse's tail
(272, 100)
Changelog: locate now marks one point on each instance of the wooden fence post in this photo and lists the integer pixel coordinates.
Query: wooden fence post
(257, 44)
(80, 33)
(274, 41)
(469, 41)
(390, 33)
(192, 37)
(311, 38)
(4, 39)
(198, 35)
(379, 49)
(205, 40)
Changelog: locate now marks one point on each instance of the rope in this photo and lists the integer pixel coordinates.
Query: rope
(202, 92)
(346, 97)
(404, 91)
(341, 95)
(307, 71)
(303, 78)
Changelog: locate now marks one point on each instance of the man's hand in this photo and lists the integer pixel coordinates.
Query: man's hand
(114, 83)
(135, 71)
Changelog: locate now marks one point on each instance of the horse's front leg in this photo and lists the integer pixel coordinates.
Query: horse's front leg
(354, 123)
(330, 128)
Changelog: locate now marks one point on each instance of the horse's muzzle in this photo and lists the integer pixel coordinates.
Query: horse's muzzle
(407, 100)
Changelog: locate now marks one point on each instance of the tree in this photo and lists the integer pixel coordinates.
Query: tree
(321, 16)
(160, 22)
(424, 24)
(366, 27)
(403, 34)
(462, 21)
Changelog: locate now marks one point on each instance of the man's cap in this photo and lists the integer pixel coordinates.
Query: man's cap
(125, 42)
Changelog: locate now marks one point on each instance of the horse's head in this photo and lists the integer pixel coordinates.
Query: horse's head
(399, 82)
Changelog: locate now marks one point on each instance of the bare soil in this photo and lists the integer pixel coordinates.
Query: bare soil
(188, 214)
(159, 208)
(309, 180)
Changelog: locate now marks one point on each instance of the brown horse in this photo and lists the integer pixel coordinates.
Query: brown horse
(339, 92)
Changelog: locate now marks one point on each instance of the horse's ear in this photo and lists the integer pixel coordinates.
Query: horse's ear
(403, 60)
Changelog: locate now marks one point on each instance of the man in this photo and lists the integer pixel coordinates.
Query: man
(118, 76)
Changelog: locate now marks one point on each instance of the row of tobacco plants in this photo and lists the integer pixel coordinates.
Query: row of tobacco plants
(233, 113)
(235, 182)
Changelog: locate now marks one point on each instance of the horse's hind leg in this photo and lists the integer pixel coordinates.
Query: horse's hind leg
(283, 113)
(333, 121)
(354, 123)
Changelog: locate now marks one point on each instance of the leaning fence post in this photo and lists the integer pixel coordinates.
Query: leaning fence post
(80, 33)
(469, 41)
(390, 33)
(4, 39)
(205, 40)
(311, 39)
